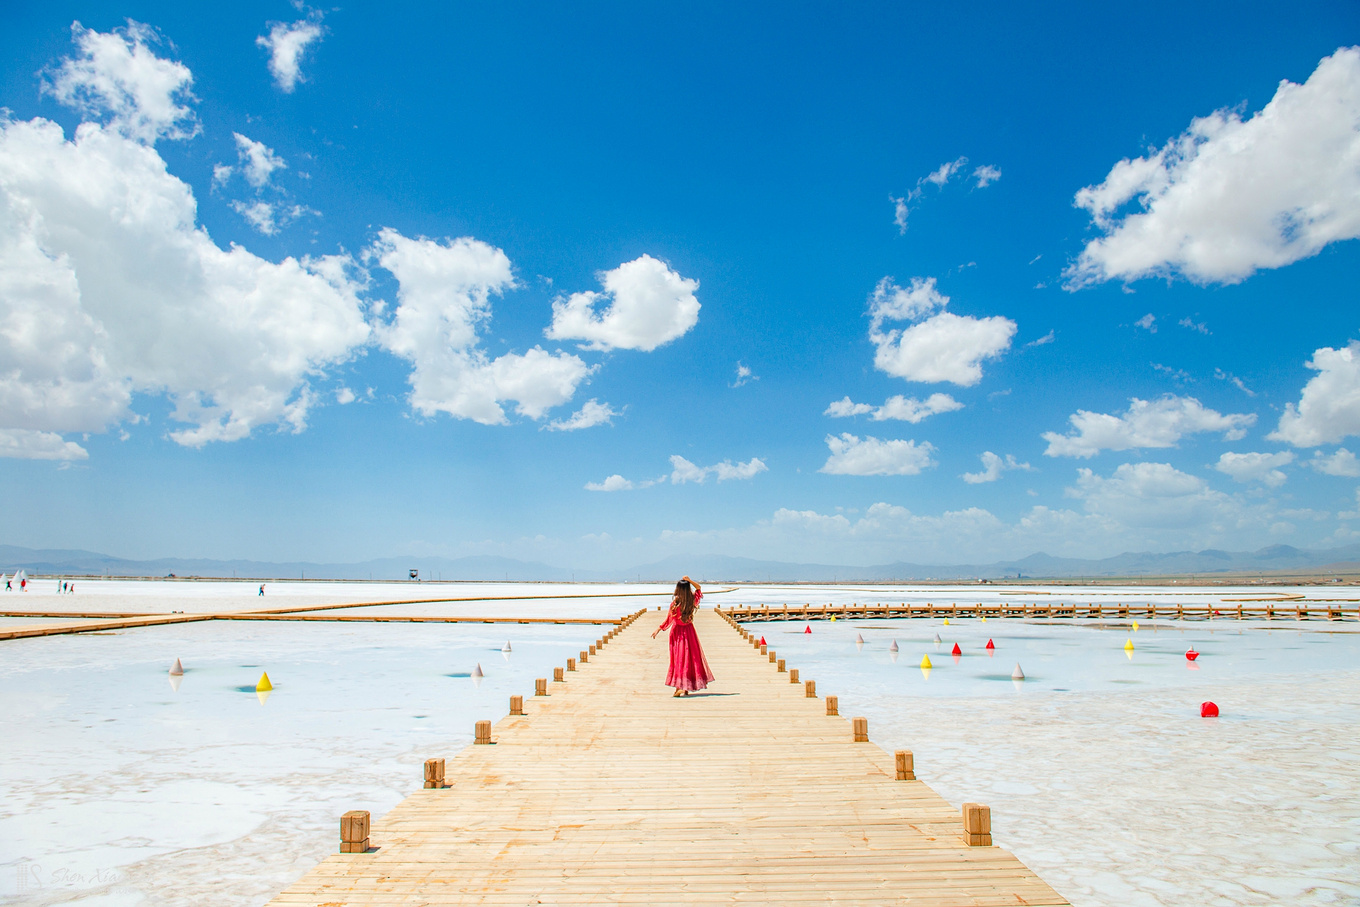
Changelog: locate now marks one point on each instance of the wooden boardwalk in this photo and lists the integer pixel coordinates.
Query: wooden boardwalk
(608, 790)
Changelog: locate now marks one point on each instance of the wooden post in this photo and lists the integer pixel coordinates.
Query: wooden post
(793, 675)
(482, 733)
(906, 766)
(558, 675)
(516, 705)
(832, 704)
(779, 666)
(541, 686)
(354, 831)
(773, 657)
(861, 727)
(434, 773)
(811, 687)
(977, 825)
(592, 652)
(762, 650)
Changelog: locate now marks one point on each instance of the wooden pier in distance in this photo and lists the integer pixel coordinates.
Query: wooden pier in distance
(601, 787)
(1291, 608)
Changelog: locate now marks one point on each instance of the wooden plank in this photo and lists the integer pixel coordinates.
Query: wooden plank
(610, 790)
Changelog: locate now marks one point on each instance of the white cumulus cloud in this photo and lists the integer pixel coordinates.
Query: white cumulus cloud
(1152, 495)
(259, 214)
(901, 210)
(985, 175)
(286, 43)
(1340, 463)
(945, 172)
(1329, 408)
(1146, 423)
(683, 470)
(729, 470)
(444, 297)
(938, 347)
(108, 287)
(993, 466)
(648, 305)
(592, 413)
(258, 160)
(1228, 196)
(1255, 467)
(615, 482)
(117, 77)
(846, 407)
(900, 408)
(21, 444)
(744, 375)
(854, 456)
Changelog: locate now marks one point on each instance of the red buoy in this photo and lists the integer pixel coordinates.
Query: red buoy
(990, 644)
(1208, 710)
(808, 629)
(762, 641)
(1191, 655)
(957, 650)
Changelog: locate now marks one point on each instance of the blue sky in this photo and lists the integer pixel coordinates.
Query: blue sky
(596, 286)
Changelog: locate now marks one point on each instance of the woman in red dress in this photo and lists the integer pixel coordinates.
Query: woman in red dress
(689, 669)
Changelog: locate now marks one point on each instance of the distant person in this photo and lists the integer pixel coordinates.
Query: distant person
(262, 588)
(689, 671)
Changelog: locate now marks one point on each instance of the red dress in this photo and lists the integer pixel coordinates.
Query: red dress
(689, 669)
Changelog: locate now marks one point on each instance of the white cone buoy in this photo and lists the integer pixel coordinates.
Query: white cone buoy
(176, 669)
(1017, 674)
(938, 641)
(477, 671)
(893, 647)
(506, 647)
(859, 639)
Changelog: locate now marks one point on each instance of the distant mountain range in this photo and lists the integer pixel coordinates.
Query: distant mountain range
(710, 567)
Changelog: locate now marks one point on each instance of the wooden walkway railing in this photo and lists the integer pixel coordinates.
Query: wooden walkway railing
(1283, 609)
(608, 790)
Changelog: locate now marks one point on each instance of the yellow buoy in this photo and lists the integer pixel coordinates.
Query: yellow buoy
(925, 662)
(833, 618)
(1135, 626)
(1128, 646)
(264, 684)
(946, 621)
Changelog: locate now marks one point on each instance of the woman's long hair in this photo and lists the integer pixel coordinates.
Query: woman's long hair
(684, 596)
